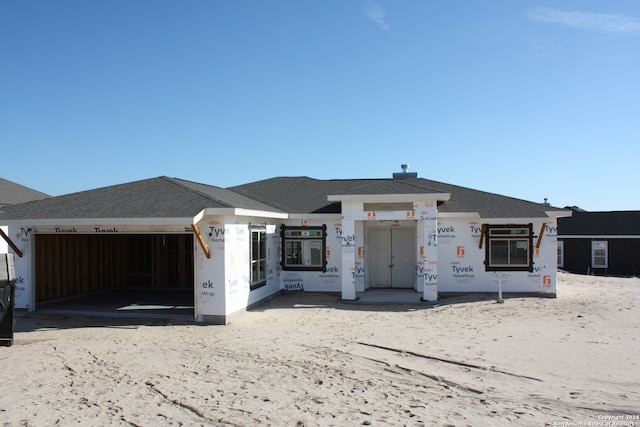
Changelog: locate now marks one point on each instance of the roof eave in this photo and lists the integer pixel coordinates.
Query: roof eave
(559, 214)
(303, 216)
(238, 212)
(97, 221)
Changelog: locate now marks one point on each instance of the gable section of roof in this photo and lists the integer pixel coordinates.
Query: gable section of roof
(291, 194)
(13, 194)
(224, 196)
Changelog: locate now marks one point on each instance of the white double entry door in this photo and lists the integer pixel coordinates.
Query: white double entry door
(392, 257)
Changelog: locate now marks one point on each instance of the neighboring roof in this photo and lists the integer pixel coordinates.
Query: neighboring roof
(13, 194)
(614, 223)
(161, 197)
(308, 195)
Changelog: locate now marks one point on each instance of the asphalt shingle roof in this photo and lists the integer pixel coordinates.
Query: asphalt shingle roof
(161, 197)
(13, 194)
(614, 223)
(308, 195)
(165, 197)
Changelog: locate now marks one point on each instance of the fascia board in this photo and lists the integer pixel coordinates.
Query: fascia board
(513, 220)
(261, 214)
(477, 215)
(458, 215)
(100, 221)
(238, 212)
(559, 214)
(315, 216)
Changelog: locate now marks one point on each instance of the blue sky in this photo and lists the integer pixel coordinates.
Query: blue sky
(531, 99)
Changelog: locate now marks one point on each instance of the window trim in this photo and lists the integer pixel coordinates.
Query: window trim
(497, 236)
(606, 253)
(262, 258)
(286, 229)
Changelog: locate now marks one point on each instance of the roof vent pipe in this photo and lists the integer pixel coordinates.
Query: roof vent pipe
(405, 172)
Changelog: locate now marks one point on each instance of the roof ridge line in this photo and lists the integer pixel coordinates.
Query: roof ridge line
(179, 183)
(176, 181)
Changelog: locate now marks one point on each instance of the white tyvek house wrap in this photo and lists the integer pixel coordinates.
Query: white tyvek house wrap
(25, 296)
(316, 281)
(350, 242)
(210, 272)
(360, 267)
(238, 265)
(461, 259)
(223, 281)
(427, 262)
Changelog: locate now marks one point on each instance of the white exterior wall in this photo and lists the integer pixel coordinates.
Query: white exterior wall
(548, 257)
(25, 295)
(316, 281)
(461, 260)
(209, 273)
(222, 281)
(359, 271)
(349, 243)
(427, 242)
(238, 263)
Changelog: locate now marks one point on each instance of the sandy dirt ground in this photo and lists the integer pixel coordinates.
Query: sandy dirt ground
(307, 359)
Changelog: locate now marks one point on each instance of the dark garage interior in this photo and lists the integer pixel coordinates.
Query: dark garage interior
(115, 274)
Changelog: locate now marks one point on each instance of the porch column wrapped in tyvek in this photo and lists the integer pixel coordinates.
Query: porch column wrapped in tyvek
(429, 250)
(348, 259)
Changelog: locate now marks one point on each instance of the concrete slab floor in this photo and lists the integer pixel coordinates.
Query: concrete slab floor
(125, 302)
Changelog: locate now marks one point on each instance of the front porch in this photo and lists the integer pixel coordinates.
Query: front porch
(389, 297)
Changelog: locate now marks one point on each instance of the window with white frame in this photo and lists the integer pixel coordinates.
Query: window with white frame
(304, 248)
(509, 247)
(560, 253)
(258, 251)
(599, 254)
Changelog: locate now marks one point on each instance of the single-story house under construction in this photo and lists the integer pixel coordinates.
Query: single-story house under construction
(237, 246)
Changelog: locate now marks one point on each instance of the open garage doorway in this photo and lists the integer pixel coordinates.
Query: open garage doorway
(135, 275)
